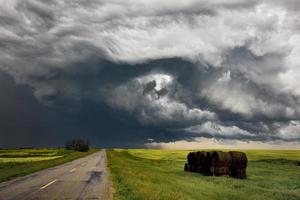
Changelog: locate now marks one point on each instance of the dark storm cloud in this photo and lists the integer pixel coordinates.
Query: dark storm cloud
(222, 69)
(219, 122)
(26, 122)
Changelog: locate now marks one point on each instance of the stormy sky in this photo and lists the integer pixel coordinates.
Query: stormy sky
(150, 73)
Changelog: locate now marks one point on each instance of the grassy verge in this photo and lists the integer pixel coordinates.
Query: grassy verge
(158, 174)
(20, 162)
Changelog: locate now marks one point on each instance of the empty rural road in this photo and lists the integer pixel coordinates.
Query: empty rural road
(84, 178)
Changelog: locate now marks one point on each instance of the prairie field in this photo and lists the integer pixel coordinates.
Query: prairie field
(158, 174)
(19, 162)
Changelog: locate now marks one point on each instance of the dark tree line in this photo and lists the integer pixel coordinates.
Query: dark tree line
(78, 145)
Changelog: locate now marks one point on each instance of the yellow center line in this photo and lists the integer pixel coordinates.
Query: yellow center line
(48, 184)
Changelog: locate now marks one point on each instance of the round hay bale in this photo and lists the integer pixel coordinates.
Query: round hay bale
(239, 159)
(198, 154)
(203, 162)
(192, 168)
(207, 162)
(238, 172)
(192, 161)
(190, 158)
(186, 167)
(209, 157)
(203, 157)
(194, 158)
(221, 159)
(220, 171)
(198, 161)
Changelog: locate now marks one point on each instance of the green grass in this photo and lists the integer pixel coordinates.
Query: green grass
(158, 174)
(20, 162)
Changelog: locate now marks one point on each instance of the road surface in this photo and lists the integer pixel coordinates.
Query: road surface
(84, 178)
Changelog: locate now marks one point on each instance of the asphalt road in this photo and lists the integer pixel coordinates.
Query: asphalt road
(84, 178)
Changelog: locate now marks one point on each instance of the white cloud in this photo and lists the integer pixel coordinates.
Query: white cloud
(210, 143)
(291, 76)
(291, 131)
(219, 131)
(275, 131)
(240, 97)
(135, 31)
(149, 108)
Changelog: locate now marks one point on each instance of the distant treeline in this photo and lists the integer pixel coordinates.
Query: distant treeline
(78, 145)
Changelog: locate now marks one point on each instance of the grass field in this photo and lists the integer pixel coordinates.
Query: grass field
(158, 174)
(20, 162)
